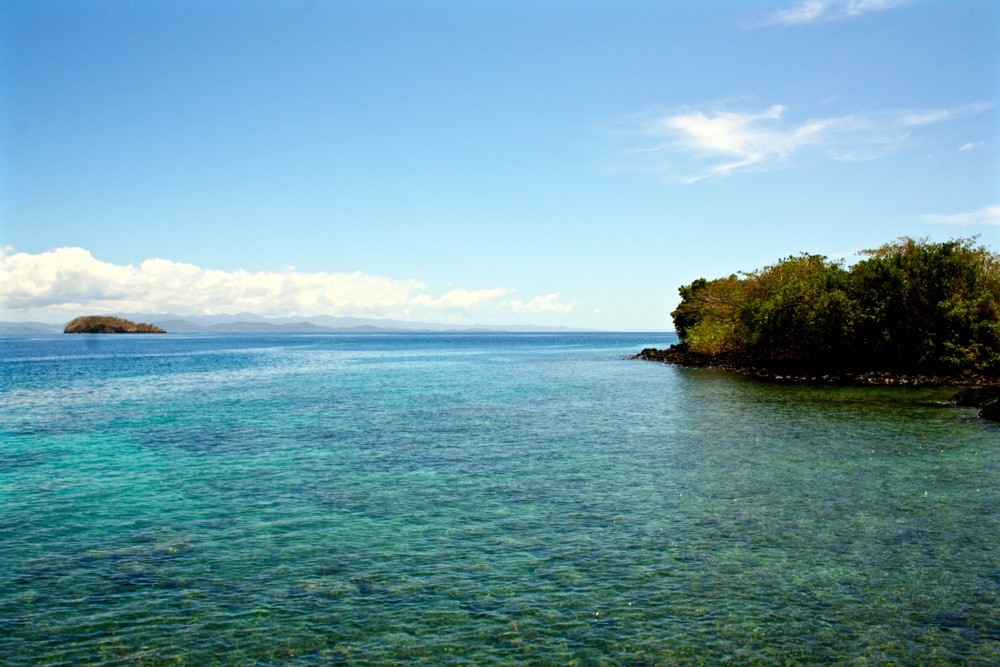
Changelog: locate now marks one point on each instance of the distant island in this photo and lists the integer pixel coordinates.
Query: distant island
(103, 324)
(912, 313)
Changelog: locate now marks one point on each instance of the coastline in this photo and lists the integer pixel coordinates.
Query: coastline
(677, 355)
(974, 389)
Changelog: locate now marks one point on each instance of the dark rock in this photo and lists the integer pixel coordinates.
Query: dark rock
(991, 410)
(680, 355)
(975, 397)
(798, 374)
(987, 398)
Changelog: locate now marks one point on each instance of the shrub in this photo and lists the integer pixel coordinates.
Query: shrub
(912, 305)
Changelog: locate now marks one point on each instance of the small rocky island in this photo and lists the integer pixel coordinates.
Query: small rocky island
(913, 313)
(103, 324)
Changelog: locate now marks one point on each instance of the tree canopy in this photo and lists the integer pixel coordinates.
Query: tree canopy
(910, 305)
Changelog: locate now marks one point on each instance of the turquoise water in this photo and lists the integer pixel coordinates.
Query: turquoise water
(479, 499)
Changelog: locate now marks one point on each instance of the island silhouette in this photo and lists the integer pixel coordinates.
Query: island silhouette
(105, 324)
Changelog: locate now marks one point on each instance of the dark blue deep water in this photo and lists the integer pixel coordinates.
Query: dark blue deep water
(479, 499)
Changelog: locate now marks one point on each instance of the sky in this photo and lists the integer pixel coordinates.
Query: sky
(546, 162)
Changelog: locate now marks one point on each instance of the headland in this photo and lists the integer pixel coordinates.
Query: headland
(914, 313)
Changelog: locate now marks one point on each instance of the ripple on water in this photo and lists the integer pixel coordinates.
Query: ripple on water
(481, 499)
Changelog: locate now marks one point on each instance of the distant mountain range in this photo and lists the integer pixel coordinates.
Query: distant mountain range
(250, 323)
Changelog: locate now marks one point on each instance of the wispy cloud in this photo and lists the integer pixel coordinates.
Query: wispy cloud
(460, 299)
(988, 215)
(541, 304)
(826, 11)
(695, 144)
(71, 281)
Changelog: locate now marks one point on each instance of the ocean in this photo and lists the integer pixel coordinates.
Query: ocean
(479, 499)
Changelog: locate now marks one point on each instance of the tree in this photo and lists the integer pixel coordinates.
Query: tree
(800, 311)
(706, 319)
(911, 306)
(931, 305)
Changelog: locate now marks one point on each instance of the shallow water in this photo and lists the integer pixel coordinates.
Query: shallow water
(479, 499)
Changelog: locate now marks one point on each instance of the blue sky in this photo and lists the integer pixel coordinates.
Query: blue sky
(538, 162)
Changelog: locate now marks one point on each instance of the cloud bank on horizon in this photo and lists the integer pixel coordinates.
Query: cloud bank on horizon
(71, 281)
(700, 143)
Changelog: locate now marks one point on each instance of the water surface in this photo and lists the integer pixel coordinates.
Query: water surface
(479, 499)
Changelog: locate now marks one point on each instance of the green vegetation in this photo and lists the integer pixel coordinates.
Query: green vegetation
(910, 306)
(106, 324)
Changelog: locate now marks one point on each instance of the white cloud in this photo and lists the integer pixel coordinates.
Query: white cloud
(988, 215)
(694, 144)
(972, 145)
(460, 299)
(70, 281)
(826, 11)
(541, 304)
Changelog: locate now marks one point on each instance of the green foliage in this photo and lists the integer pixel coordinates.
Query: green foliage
(713, 337)
(931, 304)
(706, 316)
(689, 311)
(800, 308)
(911, 305)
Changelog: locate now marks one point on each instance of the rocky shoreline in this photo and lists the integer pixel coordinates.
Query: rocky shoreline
(986, 398)
(977, 390)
